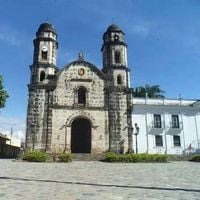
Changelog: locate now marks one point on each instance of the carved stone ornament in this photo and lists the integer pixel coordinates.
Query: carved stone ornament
(81, 72)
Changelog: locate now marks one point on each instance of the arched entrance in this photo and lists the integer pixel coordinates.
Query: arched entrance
(81, 136)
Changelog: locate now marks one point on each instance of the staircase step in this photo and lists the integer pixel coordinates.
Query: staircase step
(87, 156)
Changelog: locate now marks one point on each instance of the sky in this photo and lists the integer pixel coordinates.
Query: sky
(163, 40)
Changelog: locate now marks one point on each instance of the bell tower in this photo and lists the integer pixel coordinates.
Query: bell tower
(45, 45)
(114, 51)
(42, 84)
(115, 66)
(45, 52)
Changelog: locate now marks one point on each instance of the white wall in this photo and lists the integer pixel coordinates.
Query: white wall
(14, 141)
(189, 131)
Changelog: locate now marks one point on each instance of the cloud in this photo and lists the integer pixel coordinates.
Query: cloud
(185, 37)
(17, 125)
(10, 36)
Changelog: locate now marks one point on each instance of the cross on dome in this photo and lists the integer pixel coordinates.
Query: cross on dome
(80, 56)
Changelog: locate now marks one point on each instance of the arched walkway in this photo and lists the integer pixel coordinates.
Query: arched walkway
(81, 136)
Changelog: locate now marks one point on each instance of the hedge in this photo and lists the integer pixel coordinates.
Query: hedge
(35, 156)
(133, 158)
(195, 158)
(65, 157)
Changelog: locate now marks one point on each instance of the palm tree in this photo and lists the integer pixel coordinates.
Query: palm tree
(3, 93)
(153, 91)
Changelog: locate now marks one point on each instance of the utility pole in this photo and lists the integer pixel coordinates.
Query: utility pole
(11, 134)
(137, 129)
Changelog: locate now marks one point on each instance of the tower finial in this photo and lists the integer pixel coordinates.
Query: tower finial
(47, 20)
(113, 20)
(80, 56)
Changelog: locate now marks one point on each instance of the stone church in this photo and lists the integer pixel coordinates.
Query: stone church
(79, 108)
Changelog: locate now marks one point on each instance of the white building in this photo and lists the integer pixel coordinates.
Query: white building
(168, 126)
(14, 141)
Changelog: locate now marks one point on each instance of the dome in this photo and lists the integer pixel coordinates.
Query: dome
(113, 27)
(46, 27)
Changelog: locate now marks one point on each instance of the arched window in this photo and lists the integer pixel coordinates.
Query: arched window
(82, 95)
(44, 55)
(119, 79)
(42, 75)
(117, 57)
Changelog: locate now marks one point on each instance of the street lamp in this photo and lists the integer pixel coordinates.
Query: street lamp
(11, 133)
(130, 140)
(137, 129)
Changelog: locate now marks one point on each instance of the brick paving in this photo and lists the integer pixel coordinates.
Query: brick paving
(92, 180)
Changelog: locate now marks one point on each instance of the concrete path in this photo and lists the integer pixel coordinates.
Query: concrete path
(92, 180)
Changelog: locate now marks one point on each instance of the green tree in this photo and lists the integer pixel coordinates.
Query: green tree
(153, 91)
(3, 93)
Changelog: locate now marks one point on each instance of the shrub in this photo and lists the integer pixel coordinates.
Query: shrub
(65, 157)
(111, 157)
(195, 158)
(132, 158)
(35, 156)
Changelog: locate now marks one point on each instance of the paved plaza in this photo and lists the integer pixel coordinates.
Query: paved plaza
(92, 180)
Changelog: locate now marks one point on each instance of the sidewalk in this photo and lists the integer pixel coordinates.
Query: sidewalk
(82, 180)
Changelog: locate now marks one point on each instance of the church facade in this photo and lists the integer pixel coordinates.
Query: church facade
(79, 108)
(83, 109)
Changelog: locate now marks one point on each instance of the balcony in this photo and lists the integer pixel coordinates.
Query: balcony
(156, 127)
(175, 126)
(157, 124)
